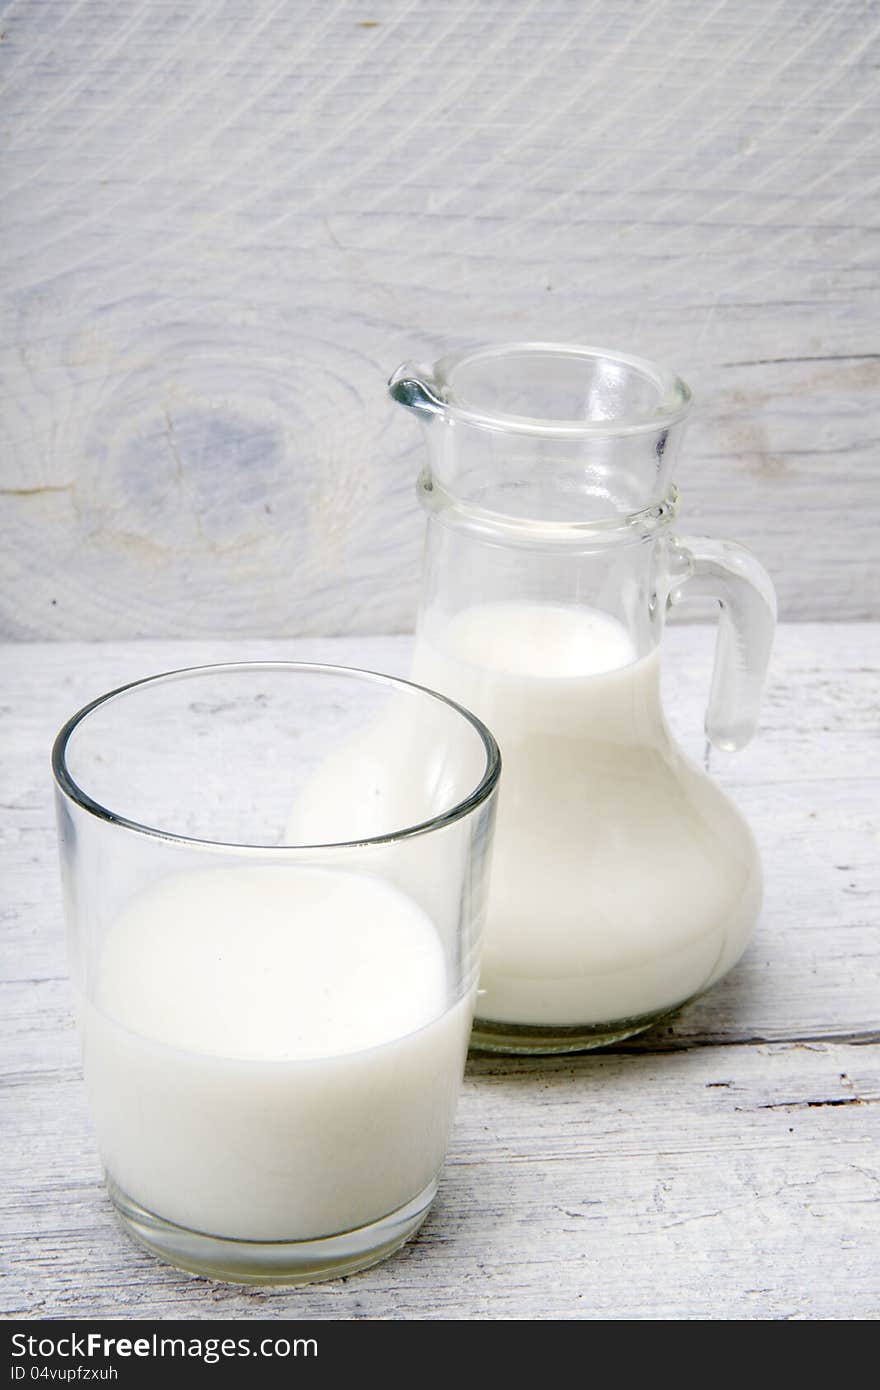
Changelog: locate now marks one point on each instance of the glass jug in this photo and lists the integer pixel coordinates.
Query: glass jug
(624, 882)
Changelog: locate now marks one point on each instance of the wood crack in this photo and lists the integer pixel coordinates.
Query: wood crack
(36, 491)
(859, 1038)
(829, 357)
(814, 1104)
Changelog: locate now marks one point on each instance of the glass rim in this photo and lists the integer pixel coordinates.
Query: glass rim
(464, 806)
(672, 408)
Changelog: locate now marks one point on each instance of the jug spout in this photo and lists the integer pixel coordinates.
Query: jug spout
(414, 386)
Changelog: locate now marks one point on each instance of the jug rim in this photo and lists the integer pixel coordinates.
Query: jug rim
(432, 392)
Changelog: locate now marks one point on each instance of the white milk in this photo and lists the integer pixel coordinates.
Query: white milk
(269, 1052)
(623, 880)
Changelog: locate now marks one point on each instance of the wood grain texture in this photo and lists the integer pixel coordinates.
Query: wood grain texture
(225, 222)
(723, 1166)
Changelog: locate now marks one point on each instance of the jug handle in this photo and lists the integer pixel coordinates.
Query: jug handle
(730, 574)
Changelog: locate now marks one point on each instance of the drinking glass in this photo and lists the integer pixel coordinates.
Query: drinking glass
(274, 880)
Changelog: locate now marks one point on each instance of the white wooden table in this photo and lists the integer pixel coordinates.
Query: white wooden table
(723, 1166)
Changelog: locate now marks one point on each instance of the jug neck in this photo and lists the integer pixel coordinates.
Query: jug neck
(542, 444)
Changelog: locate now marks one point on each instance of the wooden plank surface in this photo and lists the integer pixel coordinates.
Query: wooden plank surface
(723, 1166)
(225, 222)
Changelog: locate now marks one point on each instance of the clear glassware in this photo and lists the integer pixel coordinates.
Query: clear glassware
(274, 936)
(624, 882)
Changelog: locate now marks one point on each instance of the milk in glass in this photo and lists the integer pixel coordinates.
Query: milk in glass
(273, 1053)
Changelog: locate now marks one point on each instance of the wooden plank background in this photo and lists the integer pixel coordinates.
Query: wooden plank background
(225, 221)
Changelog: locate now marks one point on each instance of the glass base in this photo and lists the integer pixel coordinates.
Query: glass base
(540, 1039)
(271, 1262)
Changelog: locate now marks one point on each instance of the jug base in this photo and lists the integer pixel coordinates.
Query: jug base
(547, 1039)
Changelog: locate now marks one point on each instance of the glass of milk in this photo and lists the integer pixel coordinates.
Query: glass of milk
(624, 882)
(275, 880)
